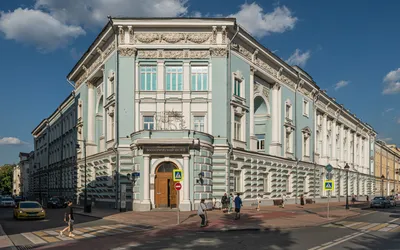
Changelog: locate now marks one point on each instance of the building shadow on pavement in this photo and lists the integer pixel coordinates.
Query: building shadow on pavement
(225, 233)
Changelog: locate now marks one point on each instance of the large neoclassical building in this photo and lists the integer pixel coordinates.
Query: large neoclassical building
(203, 96)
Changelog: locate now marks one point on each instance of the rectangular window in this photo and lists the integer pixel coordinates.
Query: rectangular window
(237, 128)
(287, 112)
(238, 181)
(148, 122)
(198, 123)
(174, 78)
(306, 145)
(237, 87)
(260, 142)
(305, 108)
(148, 78)
(199, 78)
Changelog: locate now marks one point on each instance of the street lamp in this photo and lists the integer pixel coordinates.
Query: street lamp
(347, 168)
(86, 209)
(382, 180)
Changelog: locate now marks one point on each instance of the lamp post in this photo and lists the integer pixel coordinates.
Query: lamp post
(382, 180)
(347, 168)
(86, 209)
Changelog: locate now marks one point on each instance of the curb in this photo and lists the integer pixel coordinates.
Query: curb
(4, 235)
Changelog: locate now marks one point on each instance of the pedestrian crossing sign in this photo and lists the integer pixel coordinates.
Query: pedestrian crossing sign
(177, 175)
(329, 185)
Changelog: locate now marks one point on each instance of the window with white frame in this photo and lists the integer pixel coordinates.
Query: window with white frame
(199, 78)
(260, 142)
(237, 88)
(288, 110)
(148, 122)
(305, 108)
(329, 142)
(148, 78)
(306, 144)
(288, 141)
(319, 142)
(174, 78)
(111, 123)
(237, 129)
(237, 181)
(198, 123)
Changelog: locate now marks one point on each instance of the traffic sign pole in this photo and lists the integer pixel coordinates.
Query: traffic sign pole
(329, 195)
(177, 191)
(178, 187)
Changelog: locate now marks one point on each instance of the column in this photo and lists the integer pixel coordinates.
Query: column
(146, 179)
(185, 205)
(275, 147)
(90, 116)
(324, 143)
(253, 139)
(341, 143)
(334, 136)
(349, 160)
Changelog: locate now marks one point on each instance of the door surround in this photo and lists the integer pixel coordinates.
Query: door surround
(154, 164)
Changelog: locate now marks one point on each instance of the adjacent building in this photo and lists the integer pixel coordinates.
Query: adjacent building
(21, 185)
(203, 96)
(54, 167)
(387, 161)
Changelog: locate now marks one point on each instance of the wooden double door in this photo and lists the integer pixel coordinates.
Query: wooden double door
(164, 190)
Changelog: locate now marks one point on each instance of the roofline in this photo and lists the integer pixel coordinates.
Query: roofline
(66, 100)
(35, 130)
(89, 50)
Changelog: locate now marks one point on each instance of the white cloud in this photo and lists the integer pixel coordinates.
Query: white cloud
(387, 111)
(54, 23)
(341, 84)
(259, 24)
(299, 58)
(93, 13)
(392, 82)
(11, 141)
(388, 139)
(38, 28)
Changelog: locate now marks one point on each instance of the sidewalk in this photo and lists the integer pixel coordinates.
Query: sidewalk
(269, 217)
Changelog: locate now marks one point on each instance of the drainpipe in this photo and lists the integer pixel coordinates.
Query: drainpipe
(116, 116)
(229, 97)
(295, 137)
(315, 99)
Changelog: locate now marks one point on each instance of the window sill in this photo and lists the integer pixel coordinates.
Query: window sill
(306, 115)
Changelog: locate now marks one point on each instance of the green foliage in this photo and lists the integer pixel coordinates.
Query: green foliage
(6, 178)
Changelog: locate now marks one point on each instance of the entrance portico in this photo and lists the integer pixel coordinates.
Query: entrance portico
(157, 157)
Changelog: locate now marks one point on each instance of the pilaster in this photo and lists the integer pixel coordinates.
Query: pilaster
(276, 146)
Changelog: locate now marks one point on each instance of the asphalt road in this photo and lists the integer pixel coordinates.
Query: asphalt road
(352, 236)
(54, 219)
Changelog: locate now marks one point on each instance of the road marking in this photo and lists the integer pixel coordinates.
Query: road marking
(63, 238)
(52, 233)
(378, 227)
(88, 235)
(341, 241)
(33, 238)
(393, 220)
(77, 232)
(40, 233)
(353, 224)
(367, 214)
(363, 224)
(50, 239)
(369, 226)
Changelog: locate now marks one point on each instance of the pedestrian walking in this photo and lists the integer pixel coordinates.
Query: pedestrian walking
(231, 203)
(202, 212)
(224, 202)
(283, 201)
(302, 200)
(69, 219)
(238, 205)
(258, 202)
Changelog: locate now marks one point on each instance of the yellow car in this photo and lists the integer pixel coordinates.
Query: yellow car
(29, 210)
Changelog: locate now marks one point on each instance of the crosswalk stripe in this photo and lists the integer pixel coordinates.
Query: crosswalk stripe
(77, 232)
(369, 226)
(353, 224)
(64, 238)
(33, 238)
(88, 235)
(376, 228)
(363, 224)
(397, 229)
(51, 233)
(50, 239)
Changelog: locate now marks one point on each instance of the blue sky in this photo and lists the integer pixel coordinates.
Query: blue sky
(350, 48)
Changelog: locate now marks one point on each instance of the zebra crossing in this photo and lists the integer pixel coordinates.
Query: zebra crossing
(52, 236)
(389, 227)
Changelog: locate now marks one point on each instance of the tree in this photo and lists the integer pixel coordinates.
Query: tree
(6, 178)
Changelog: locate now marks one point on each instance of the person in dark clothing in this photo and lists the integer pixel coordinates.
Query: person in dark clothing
(238, 205)
(224, 201)
(69, 219)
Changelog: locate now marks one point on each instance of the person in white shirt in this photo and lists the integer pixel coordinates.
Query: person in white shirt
(202, 212)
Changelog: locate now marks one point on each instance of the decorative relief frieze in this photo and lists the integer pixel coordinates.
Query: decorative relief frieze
(131, 36)
(224, 34)
(219, 52)
(214, 35)
(174, 54)
(261, 89)
(121, 34)
(198, 38)
(127, 51)
(266, 67)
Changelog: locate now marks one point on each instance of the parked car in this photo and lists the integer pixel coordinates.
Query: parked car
(380, 201)
(57, 202)
(392, 201)
(29, 210)
(7, 202)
